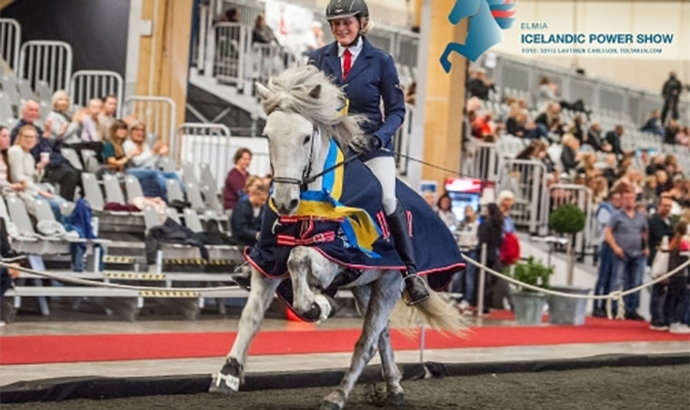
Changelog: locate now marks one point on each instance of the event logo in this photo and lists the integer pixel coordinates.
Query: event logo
(487, 19)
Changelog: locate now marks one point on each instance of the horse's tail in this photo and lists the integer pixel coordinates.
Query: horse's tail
(436, 313)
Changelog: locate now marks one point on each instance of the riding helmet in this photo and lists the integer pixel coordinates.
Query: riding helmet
(338, 9)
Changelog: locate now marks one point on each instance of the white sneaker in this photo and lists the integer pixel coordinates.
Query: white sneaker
(2, 324)
(463, 305)
(679, 328)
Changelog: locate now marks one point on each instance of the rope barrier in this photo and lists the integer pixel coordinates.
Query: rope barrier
(616, 295)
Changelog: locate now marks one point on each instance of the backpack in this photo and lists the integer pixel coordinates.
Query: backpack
(510, 249)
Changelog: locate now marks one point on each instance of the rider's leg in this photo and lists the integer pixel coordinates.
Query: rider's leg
(384, 170)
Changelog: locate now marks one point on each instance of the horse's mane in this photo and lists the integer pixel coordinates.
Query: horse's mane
(291, 91)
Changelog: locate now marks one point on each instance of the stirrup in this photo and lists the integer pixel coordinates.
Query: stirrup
(419, 293)
(242, 280)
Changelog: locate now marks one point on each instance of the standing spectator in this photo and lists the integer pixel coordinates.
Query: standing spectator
(613, 138)
(445, 212)
(58, 169)
(479, 86)
(245, 221)
(671, 93)
(490, 232)
(606, 256)
(659, 227)
(627, 234)
(262, 33)
(236, 179)
(468, 241)
(678, 287)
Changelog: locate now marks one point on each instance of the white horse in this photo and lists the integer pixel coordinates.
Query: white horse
(302, 108)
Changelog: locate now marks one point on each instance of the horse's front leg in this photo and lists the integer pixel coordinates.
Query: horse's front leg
(391, 373)
(228, 380)
(384, 295)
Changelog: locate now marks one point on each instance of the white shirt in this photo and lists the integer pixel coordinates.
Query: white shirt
(354, 50)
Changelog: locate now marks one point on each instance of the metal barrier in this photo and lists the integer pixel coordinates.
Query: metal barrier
(266, 61)
(204, 144)
(401, 142)
(526, 179)
(158, 113)
(231, 51)
(483, 160)
(88, 84)
(49, 61)
(10, 41)
(580, 195)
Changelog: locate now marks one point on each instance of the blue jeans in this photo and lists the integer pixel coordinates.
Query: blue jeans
(54, 203)
(465, 281)
(161, 177)
(539, 131)
(628, 274)
(659, 304)
(604, 279)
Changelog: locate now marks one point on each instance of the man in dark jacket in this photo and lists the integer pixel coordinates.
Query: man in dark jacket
(671, 94)
(614, 139)
(246, 216)
(659, 226)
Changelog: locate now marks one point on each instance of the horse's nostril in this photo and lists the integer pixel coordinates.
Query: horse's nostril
(294, 203)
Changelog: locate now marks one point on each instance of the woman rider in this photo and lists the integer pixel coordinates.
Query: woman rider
(369, 76)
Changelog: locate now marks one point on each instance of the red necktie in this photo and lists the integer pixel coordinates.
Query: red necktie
(347, 63)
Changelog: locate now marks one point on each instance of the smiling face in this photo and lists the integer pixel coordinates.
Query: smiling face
(345, 30)
(290, 143)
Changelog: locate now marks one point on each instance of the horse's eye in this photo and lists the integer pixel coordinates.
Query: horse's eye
(307, 139)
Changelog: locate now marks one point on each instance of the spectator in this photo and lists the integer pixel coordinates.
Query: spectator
(464, 281)
(316, 39)
(490, 233)
(606, 256)
(663, 182)
(578, 129)
(551, 119)
(23, 169)
(8, 188)
(627, 234)
(649, 194)
(654, 124)
(91, 130)
(593, 138)
(613, 138)
(236, 179)
(671, 93)
(570, 157)
(678, 287)
(58, 170)
(445, 212)
(230, 16)
(479, 86)
(114, 155)
(671, 130)
(145, 160)
(548, 91)
(430, 198)
(107, 115)
(246, 216)
(6, 274)
(609, 172)
(659, 227)
(655, 164)
(683, 137)
(482, 128)
(62, 126)
(262, 33)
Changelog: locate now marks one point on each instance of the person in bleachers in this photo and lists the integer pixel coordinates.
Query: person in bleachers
(683, 136)
(8, 188)
(551, 119)
(663, 182)
(671, 130)
(64, 127)
(58, 170)
(91, 130)
(107, 114)
(236, 178)
(114, 155)
(262, 33)
(654, 124)
(144, 162)
(230, 16)
(482, 127)
(656, 163)
(548, 91)
(23, 169)
(578, 129)
(245, 221)
(478, 85)
(570, 155)
(444, 209)
(671, 93)
(613, 138)
(593, 139)
(649, 193)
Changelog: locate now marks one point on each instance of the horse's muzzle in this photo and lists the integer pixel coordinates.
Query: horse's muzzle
(288, 208)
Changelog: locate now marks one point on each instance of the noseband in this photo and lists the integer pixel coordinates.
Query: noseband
(304, 182)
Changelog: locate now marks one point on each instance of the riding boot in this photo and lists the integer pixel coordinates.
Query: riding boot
(415, 286)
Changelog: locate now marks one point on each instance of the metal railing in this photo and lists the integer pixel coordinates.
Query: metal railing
(526, 179)
(401, 142)
(231, 50)
(266, 61)
(483, 160)
(10, 42)
(582, 197)
(208, 144)
(88, 84)
(49, 61)
(158, 113)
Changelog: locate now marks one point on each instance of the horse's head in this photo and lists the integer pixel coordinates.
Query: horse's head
(303, 111)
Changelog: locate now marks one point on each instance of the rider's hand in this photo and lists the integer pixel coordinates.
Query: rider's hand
(374, 143)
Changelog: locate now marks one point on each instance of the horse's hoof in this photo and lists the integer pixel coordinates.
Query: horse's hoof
(397, 399)
(327, 405)
(227, 380)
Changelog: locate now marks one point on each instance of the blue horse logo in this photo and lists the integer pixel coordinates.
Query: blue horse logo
(487, 19)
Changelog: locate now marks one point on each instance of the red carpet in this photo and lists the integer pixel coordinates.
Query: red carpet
(305, 339)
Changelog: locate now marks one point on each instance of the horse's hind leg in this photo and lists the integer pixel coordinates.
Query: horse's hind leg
(391, 373)
(260, 296)
(384, 294)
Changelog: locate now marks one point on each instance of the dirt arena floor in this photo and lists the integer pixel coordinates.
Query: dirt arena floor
(621, 388)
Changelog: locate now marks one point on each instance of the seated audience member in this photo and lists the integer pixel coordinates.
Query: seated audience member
(58, 170)
(570, 157)
(114, 155)
(613, 138)
(62, 126)
(237, 178)
(144, 161)
(671, 130)
(482, 128)
(91, 131)
(445, 211)
(551, 119)
(655, 164)
(593, 138)
(683, 137)
(107, 114)
(23, 169)
(246, 216)
(653, 124)
(578, 129)
(479, 86)
(548, 91)
(8, 188)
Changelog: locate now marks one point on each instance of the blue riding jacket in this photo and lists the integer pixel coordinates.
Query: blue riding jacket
(372, 78)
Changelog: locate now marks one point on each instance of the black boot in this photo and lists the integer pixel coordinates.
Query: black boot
(415, 287)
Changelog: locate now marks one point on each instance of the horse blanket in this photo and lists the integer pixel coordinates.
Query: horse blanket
(346, 223)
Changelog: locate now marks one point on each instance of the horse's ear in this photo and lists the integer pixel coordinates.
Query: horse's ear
(316, 91)
(264, 93)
